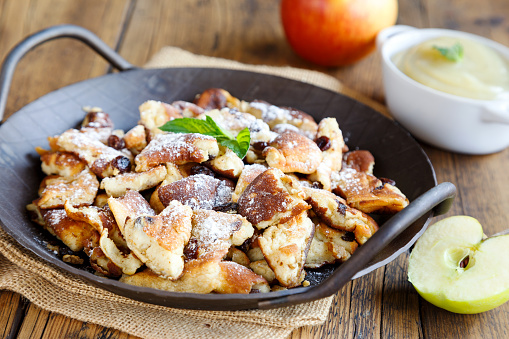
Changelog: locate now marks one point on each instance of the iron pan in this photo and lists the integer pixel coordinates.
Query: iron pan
(398, 156)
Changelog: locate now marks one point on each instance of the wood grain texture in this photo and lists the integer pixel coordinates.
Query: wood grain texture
(39, 323)
(12, 306)
(46, 68)
(380, 305)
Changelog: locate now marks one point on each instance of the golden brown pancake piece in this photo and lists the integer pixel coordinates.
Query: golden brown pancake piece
(271, 198)
(293, 152)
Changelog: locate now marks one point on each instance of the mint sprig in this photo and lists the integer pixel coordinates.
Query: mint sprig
(239, 145)
(454, 53)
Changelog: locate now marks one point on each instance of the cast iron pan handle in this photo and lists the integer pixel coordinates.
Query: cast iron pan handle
(48, 34)
(438, 199)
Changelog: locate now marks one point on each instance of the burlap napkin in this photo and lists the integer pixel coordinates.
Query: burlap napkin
(54, 290)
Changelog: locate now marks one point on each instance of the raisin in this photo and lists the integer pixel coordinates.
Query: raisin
(191, 250)
(317, 184)
(121, 163)
(349, 236)
(230, 207)
(387, 181)
(341, 207)
(200, 169)
(323, 143)
(260, 146)
(116, 142)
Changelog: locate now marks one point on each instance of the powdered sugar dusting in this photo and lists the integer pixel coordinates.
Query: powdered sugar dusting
(231, 119)
(175, 147)
(211, 229)
(170, 142)
(175, 227)
(198, 191)
(79, 190)
(271, 112)
(87, 147)
(54, 217)
(223, 194)
(348, 179)
(136, 204)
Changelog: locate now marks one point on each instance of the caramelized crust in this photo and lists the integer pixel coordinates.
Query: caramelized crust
(101, 218)
(334, 211)
(176, 148)
(74, 234)
(249, 173)
(367, 193)
(79, 190)
(239, 279)
(271, 198)
(360, 160)
(64, 164)
(131, 205)
(292, 152)
(198, 191)
(274, 115)
(104, 161)
(329, 246)
(216, 98)
(205, 275)
(199, 276)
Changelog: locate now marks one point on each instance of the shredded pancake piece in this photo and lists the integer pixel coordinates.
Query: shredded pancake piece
(176, 148)
(292, 152)
(272, 198)
(159, 241)
(104, 161)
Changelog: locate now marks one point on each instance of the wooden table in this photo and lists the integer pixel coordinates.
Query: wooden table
(381, 304)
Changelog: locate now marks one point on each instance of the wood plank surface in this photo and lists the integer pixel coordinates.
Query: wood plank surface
(382, 304)
(61, 62)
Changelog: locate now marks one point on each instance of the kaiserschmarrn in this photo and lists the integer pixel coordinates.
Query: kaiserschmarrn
(182, 212)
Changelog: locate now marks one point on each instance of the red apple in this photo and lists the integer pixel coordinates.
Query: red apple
(335, 32)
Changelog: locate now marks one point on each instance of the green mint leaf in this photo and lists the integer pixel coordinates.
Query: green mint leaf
(454, 53)
(243, 140)
(218, 130)
(239, 145)
(189, 125)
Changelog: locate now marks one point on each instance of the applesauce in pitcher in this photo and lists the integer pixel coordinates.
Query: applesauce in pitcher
(457, 66)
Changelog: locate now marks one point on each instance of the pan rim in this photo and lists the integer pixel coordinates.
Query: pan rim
(99, 281)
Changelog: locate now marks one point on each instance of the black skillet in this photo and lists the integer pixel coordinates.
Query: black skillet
(398, 156)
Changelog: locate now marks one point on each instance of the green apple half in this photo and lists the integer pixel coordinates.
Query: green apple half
(455, 267)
